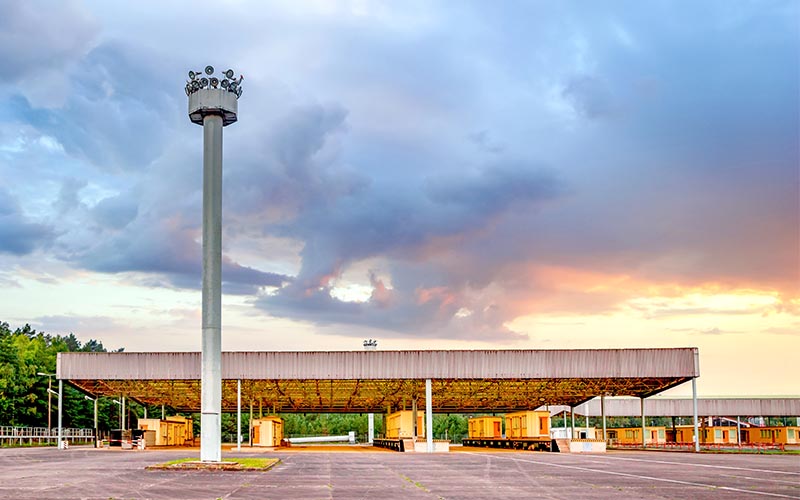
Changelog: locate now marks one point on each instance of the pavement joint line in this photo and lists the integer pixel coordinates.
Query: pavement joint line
(703, 465)
(765, 480)
(625, 474)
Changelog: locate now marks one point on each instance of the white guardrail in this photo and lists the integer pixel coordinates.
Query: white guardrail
(10, 436)
(350, 438)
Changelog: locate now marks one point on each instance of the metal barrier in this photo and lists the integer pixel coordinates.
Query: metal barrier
(757, 447)
(19, 436)
(532, 444)
(392, 444)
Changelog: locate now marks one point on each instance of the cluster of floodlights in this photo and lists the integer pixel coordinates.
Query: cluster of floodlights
(197, 81)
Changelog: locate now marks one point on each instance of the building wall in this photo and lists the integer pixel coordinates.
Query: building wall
(528, 424)
(485, 427)
(400, 424)
(708, 435)
(566, 433)
(633, 435)
(777, 435)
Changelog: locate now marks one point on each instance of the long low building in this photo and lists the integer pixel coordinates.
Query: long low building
(378, 381)
(683, 407)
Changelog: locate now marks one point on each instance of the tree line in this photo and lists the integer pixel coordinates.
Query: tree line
(25, 355)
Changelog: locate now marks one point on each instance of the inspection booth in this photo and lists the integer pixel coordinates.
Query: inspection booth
(175, 430)
(485, 427)
(400, 424)
(528, 424)
(267, 431)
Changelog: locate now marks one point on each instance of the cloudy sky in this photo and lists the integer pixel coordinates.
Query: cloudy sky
(430, 174)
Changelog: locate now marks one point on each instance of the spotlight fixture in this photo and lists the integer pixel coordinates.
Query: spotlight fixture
(225, 82)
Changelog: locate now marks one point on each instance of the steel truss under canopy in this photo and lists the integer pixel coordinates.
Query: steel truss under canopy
(374, 381)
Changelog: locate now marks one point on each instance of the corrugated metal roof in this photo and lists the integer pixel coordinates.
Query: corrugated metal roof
(389, 365)
(364, 381)
(681, 407)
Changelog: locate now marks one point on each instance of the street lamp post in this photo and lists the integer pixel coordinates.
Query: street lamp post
(60, 396)
(49, 391)
(121, 409)
(213, 103)
(89, 398)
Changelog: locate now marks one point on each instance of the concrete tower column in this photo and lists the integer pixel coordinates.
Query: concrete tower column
(211, 384)
(213, 108)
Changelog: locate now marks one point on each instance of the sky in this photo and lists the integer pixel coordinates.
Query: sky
(430, 174)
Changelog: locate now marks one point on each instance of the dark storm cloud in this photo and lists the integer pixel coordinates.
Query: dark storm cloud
(18, 234)
(38, 36)
(406, 225)
(169, 248)
(119, 115)
(115, 212)
(590, 96)
(68, 196)
(494, 189)
(294, 168)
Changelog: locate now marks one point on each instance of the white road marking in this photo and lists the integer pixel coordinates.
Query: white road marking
(703, 465)
(665, 480)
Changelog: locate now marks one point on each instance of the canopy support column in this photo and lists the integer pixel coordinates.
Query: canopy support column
(371, 427)
(694, 415)
(239, 414)
(428, 415)
(572, 422)
(414, 430)
(739, 431)
(603, 414)
(644, 426)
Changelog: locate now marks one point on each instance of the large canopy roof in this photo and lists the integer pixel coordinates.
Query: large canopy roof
(374, 381)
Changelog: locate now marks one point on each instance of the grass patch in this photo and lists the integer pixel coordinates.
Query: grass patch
(247, 464)
(754, 452)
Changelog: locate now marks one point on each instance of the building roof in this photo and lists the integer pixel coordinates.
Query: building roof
(364, 381)
(682, 407)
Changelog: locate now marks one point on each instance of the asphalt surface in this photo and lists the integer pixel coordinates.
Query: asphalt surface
(46, 473)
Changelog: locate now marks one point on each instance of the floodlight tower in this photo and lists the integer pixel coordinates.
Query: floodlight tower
(213, 103)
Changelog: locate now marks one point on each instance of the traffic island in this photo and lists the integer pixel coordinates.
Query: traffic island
(227, 464)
